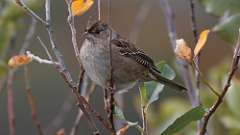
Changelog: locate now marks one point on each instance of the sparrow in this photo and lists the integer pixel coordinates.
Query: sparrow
(130, 64)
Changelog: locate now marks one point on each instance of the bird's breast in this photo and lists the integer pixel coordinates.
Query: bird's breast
(96, 62)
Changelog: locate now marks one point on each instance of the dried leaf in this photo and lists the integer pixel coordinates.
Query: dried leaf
(201, 42)
(60, 132)
(19, 60)
(79, 7)
(183, 51)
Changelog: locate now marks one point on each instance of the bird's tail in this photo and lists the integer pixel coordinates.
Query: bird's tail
(157, 77)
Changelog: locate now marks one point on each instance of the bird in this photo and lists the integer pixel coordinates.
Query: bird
(130, 64)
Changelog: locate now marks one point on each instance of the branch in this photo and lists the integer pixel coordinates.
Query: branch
(61, 66)
(29, 11)
(184, 68)
(193, 20)
(109, 91)
(144, 119)
(195, 34)
(29, 36)
(26, 43)
(232, 72)
(32, 103)
(40, 60)
(99, 10)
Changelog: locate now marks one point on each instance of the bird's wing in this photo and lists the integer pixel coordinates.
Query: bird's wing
(127, 49)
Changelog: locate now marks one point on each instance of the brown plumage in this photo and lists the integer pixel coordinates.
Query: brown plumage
(130, 64)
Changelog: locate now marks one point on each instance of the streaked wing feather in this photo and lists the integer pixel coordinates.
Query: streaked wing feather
(129, 50)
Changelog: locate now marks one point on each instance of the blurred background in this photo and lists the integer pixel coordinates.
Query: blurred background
(54, 98)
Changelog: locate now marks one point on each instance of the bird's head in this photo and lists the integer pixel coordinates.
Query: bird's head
(97, 28)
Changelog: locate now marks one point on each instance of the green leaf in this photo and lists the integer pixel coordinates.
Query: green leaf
(228, 28)
(193, 115)
(150, 90)
(166, 70)
(219, 7)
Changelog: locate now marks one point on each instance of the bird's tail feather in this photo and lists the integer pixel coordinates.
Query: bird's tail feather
(157, 77)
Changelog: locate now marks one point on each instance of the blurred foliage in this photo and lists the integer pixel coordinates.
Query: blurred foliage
(229, 24)
(10, 15)
(219, 7)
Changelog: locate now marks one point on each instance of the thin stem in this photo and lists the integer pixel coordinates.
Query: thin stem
(45, 48)
(195, 34)
(32, 103)
(219, 101)
(144, 107)
(29, 11)
(73, 31)
(193, 20)
(201, 76)
(99, 10)
(29, 36)
(110, 89)
(144, 119)
(26, 43)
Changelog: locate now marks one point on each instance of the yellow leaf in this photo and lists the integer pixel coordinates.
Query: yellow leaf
(19, 60)
(201, 42)
(79, 7)
(123, 130)
(183, 51)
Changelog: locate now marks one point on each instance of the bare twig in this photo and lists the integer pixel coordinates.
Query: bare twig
(195, 34)
(110, 90)
(32, 103)
(61, 66)
(99, 10)
(11, 73)
(73, 30)
(184, 68)
(144, 120)
(29, 11)
(11, 114)
(40, 60)
(81, 79)
(45, 49)
(29, 36)
(193, 20)
(63, 71)
(232, 72)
